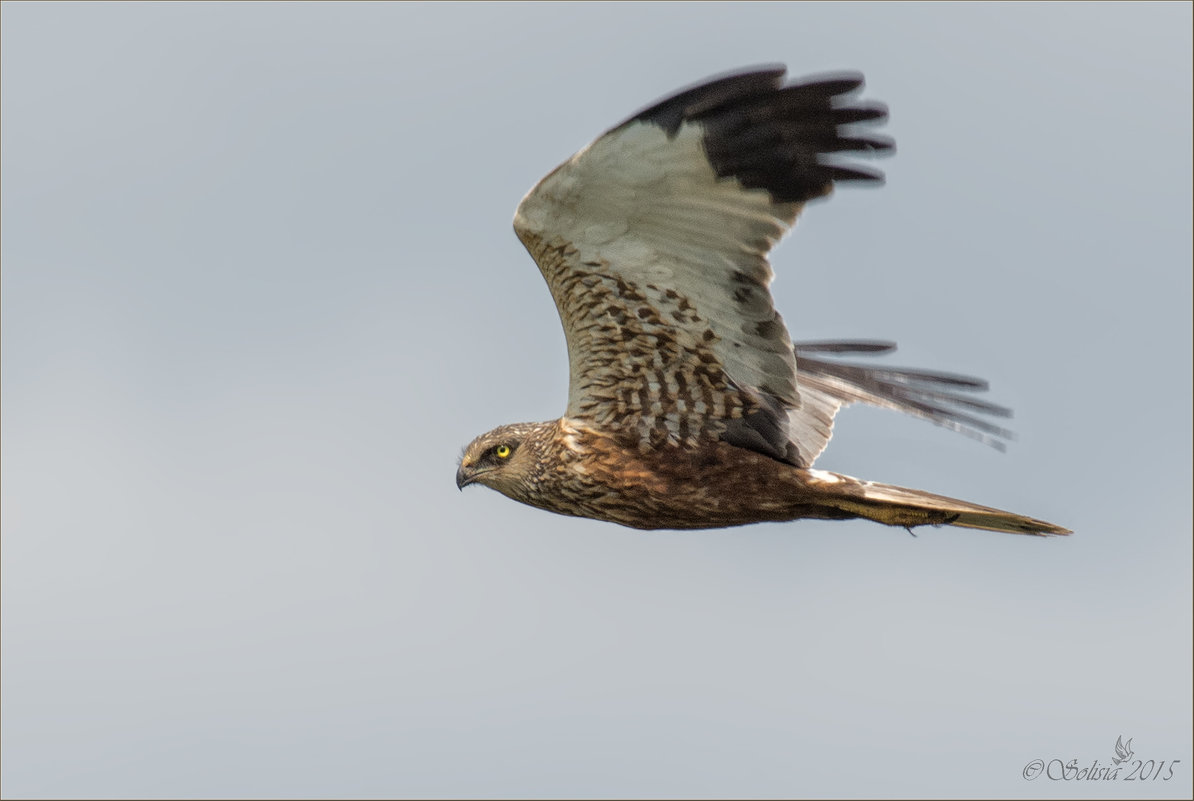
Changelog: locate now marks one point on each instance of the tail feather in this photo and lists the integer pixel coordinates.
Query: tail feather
(900, 506)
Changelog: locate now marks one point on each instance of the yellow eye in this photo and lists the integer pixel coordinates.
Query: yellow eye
(503, 451)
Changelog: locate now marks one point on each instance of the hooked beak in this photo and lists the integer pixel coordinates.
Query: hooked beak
(464, 476)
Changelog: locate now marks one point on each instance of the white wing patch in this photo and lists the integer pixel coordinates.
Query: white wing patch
(654, 242)
(651, 210)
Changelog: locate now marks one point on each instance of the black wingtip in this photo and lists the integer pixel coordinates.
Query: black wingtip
(837, 173)
(697, 98)
(786, 139)
(840, 82)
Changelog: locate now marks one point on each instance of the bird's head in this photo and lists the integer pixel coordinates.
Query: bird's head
(503, 459)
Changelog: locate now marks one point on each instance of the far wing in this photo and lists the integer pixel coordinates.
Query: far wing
(826, 385)
(654, 241)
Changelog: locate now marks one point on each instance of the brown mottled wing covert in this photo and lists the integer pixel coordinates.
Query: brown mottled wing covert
(654, 241)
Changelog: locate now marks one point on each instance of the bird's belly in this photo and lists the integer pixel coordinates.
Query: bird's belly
(714, 487)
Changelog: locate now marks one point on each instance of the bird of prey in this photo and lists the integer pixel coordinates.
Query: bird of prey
(688, 405)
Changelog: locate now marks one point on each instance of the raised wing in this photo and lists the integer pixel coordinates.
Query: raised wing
(654, 241)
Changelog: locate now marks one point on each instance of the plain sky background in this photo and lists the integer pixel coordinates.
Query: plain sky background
(260, 287)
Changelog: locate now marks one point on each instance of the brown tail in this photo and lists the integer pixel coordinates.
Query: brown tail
(899, 506)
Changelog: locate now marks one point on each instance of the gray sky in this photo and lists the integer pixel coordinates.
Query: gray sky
(260, 286)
